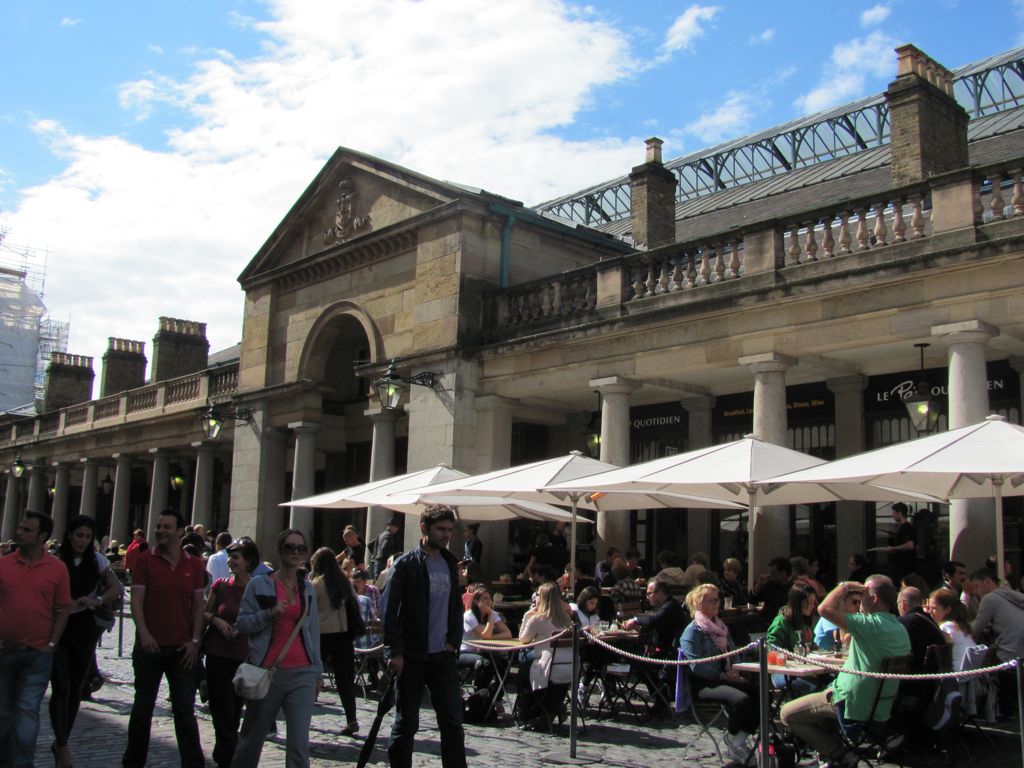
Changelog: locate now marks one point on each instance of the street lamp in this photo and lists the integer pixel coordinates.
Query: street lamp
(18, 467)
(107, 484)
(212, 419)
(390, 386)
(922, 408)
(593, 433)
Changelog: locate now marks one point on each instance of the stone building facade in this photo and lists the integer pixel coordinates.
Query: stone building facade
(788, 307)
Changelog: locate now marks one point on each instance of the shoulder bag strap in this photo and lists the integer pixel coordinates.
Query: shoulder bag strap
(291, 637)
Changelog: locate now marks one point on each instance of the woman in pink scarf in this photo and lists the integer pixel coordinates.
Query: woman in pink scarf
(716, 681)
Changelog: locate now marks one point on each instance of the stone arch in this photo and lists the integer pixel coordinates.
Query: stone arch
(335, 321)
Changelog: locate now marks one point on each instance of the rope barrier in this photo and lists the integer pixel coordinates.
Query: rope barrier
(667, 662)
(817, 662)
(374, 649)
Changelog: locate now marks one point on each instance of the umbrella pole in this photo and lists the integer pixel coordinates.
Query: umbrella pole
(574, 499)
(997, 484)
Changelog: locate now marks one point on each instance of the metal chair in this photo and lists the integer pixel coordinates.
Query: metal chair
(872, 739)
(705, 715)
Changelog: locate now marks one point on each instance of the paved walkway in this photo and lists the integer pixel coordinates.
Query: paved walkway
(100, 732)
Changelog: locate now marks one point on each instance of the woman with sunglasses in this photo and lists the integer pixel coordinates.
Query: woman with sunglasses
(226, 648)
(272, 607)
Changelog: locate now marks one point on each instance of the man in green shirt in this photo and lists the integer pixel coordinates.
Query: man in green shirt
(876, 634)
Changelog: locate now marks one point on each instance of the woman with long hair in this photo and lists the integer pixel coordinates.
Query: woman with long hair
(793, 626)
(334, 593)
(717, 681)
(226, 648)
(549, 617)
(92, 584)
(482, 622)
(950, 614)
(273, 605)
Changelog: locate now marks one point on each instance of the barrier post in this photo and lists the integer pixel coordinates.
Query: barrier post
(120, 626)
(573, 694)
(765, 690)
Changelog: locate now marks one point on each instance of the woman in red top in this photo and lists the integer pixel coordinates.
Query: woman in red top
(272, 608)
(226, 648)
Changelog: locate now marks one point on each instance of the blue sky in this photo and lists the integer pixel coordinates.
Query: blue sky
(149, 148)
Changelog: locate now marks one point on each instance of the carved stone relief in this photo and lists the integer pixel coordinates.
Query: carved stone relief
(346, 224)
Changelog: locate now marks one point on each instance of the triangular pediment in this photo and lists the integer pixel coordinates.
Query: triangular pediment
(353, 197)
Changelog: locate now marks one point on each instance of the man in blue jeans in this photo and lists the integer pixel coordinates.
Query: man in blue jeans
(422, 630)
(167, 606)
(35, 596)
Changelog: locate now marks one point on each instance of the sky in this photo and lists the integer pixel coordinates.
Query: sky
(147, 150)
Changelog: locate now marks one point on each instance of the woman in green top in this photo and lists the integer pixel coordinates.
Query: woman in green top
(794, 625)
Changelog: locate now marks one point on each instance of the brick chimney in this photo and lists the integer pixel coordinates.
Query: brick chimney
(68, 381)
(929, 129)
(179, 348)
(652, 189)
(124, 366)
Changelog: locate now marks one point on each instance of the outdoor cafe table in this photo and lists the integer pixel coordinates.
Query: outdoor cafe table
(512, 611)
(795, 670)
(493, 648)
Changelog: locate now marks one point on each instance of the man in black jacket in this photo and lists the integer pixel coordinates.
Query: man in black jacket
(422, 632)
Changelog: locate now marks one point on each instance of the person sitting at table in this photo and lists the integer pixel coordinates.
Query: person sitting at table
(802, 574)
(715, 681)
(625, 590)
(481, 622)
(792, 627)
(636, 568)
(549, 617)
(670, 572)
(593, 656)
(699, 563)
(876, 635)
(581, 581)
(859, 568)
(772, 588)
(950, 614)
(732, 583)
(827, 636)
(603, 571)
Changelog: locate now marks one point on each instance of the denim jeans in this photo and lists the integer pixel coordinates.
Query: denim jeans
(149, 669)
(438, 673)
(24, 675)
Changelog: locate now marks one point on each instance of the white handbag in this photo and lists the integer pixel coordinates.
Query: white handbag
(251, 681)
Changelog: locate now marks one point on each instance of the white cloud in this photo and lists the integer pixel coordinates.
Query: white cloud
(876, 14)
(731, 118)
(452, 89)
(154, 48)
(67, 21)
(845, 77)
(688, 27)
(765, 37)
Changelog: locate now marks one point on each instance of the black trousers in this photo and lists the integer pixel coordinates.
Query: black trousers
(225, 706)
(149, 669)
(438, 673)
(72, 661)
(337, 653)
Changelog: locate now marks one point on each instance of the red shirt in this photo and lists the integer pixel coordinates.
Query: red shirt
(229, 599)
(283, 626)
(29, 593)
(132, 554)
(167, 604)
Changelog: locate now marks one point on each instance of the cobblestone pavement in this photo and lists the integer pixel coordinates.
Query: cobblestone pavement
(100, 732)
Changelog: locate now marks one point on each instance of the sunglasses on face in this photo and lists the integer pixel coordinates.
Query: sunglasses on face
(299, 549)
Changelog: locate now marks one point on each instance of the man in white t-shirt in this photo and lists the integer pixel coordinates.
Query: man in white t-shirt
(217, 564)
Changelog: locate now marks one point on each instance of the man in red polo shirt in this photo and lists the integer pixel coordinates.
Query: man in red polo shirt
(167, 605)
(34, 598)
(136, 548)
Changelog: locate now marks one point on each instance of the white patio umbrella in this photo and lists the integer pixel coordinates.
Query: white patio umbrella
(726, 473)
(983, 460)
(534, 483)
(392, 494)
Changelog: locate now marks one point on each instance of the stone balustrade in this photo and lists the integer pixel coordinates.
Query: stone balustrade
(859, 226)
(569, 295)
(998, 194)
(690, 267)
(180, 395)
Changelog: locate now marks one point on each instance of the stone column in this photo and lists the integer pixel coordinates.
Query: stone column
(698, 521)
(61, 489)
(850, 440)
(122, 497)
(159, 489)
(972, 528)
(303, 474)
(12, 509)
(202, 495)
(382, 464)
(769, 526)
(613, 527)
(494, 451)
(37, 487)
(90, 482)
(1017, 363)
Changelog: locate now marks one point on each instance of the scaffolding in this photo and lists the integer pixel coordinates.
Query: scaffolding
(28, 336)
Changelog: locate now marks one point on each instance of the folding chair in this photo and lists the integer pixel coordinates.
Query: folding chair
(366, 663)
(871, 739)
(549, 703)
(974, 688)
(705, 715)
